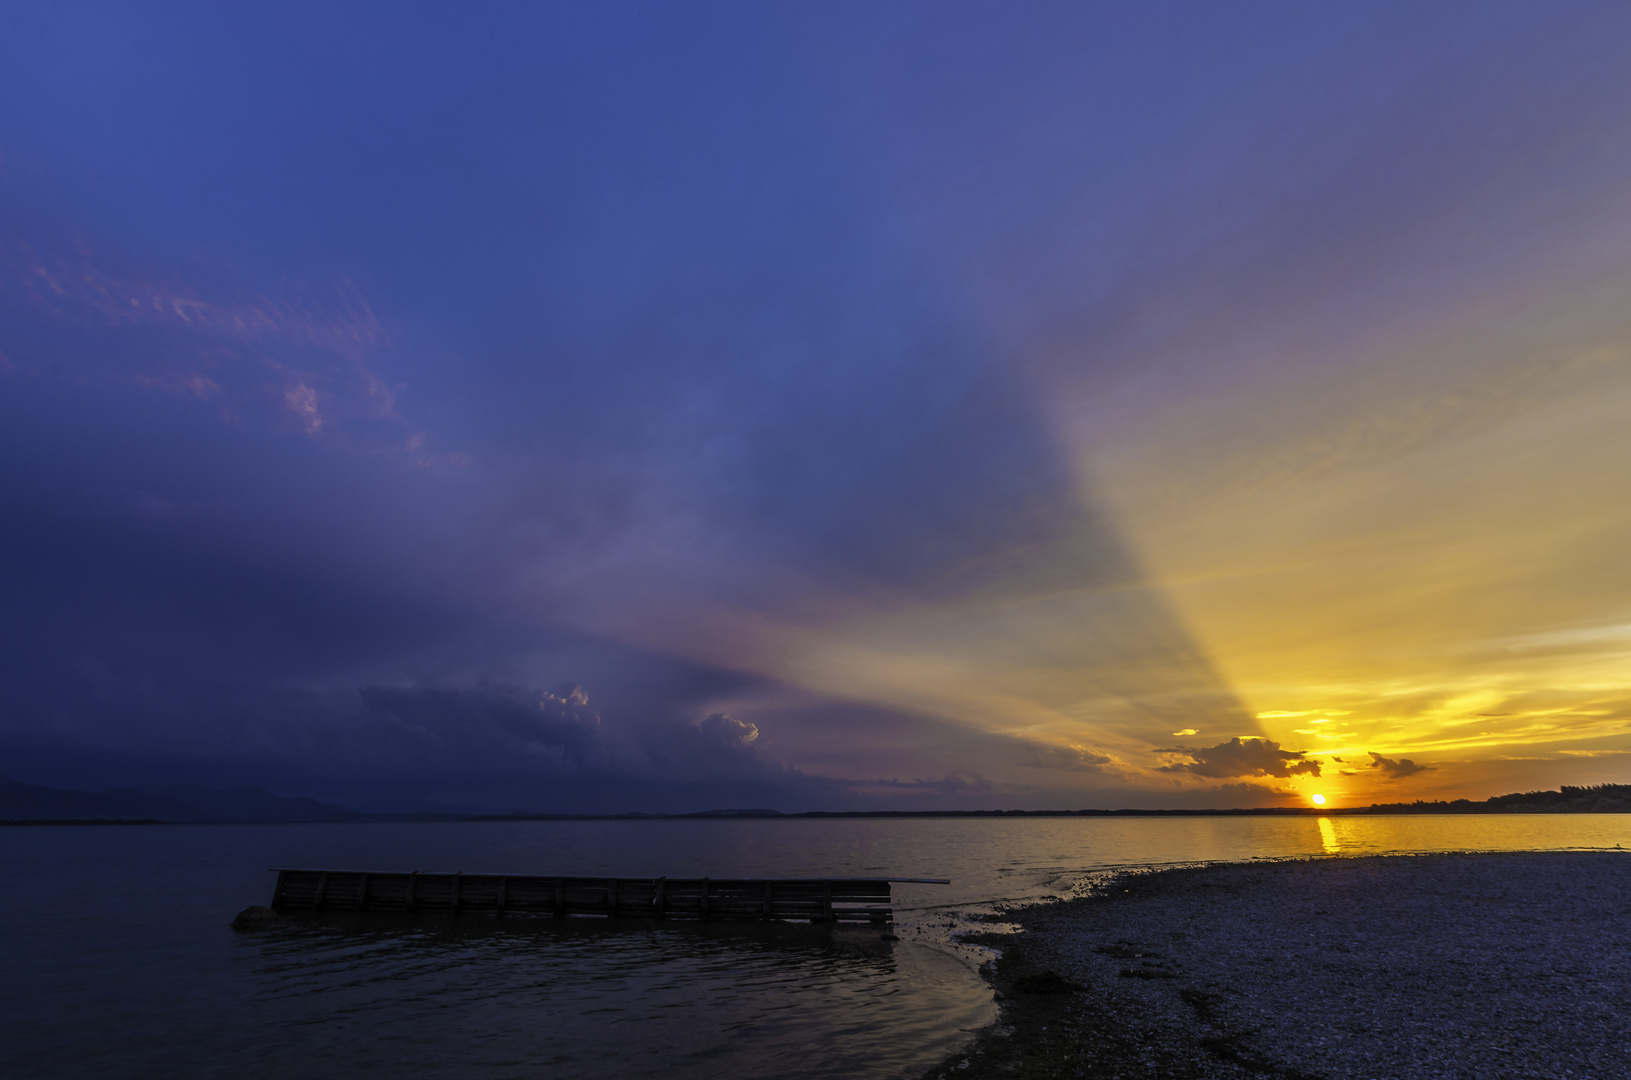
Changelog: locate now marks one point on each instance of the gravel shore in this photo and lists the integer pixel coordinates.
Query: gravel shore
(1472, 966)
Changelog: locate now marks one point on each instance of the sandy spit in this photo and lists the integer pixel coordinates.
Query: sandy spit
(1505, 966)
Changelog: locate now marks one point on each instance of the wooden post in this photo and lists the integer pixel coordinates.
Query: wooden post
(826, 901)
(277, 891)
(702, 905)
(322, 887)
(503, 894)
(362, 891)
(413, 879)
(765, 910)
(660, 901)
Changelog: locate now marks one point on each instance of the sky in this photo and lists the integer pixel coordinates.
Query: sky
(667, 407)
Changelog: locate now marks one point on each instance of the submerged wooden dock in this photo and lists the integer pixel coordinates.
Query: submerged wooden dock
(817, 900)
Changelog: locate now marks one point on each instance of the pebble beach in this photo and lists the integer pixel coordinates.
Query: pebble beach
(1467, 966)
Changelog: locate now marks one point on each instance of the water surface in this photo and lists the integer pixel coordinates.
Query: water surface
(120, 962)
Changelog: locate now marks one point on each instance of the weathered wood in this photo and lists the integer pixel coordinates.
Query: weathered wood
(823, 900)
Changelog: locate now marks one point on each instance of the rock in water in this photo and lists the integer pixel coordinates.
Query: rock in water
(254, 918)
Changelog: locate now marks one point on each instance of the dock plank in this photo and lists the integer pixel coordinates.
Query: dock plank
(816, 900)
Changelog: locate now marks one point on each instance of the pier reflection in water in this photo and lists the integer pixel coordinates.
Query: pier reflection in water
(587, 996)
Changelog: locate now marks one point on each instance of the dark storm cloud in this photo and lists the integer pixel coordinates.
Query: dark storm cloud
(513, 748)
(501, 730)
(1396, 770)
(728, 731)
(238, 491)
(796, 384)
(486, 728)
(1242, 757)
(492, 747)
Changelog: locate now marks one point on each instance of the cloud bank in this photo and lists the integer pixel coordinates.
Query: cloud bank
(1396, 770)
(1242, 757)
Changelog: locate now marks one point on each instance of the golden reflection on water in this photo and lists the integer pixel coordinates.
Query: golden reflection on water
(1328, 836)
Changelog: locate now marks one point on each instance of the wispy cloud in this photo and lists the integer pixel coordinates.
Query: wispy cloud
(1074, 759)
(195, 332)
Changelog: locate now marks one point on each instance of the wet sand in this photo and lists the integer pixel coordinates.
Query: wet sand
(1472, 966)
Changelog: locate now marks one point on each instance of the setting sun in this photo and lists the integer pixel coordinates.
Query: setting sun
(1319, 800)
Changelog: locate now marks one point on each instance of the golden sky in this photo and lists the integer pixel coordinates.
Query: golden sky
(1368, 497)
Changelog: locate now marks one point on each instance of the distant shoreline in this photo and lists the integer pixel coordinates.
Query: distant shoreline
(28, 805)
(1253, 811)
(453, 819)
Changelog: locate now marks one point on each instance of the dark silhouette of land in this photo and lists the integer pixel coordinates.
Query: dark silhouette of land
(30, 804)
(1601, 799)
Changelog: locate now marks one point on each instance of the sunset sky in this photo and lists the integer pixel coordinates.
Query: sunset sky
(666, 407)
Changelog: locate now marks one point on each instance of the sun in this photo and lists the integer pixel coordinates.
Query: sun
(1319, 800)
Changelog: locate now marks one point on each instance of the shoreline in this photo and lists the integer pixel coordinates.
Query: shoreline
(1510, 965)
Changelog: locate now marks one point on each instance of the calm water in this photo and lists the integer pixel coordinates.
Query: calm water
(119, 961)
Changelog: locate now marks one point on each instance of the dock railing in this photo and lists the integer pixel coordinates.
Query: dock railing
(817, 900)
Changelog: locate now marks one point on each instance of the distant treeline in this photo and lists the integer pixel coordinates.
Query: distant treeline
(1602, 799)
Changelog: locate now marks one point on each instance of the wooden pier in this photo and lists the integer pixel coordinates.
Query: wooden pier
(816, 900)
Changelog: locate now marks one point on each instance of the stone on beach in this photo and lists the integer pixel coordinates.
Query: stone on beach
(1509, 966)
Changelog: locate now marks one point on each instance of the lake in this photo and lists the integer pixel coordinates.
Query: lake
(120, 961)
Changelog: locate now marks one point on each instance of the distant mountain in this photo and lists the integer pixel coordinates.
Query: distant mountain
(733, 813)
(250, 804)
(180, 803)
(26, 802)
